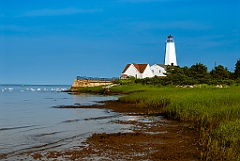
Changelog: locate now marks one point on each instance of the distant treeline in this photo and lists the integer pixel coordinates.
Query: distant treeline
(196, 74)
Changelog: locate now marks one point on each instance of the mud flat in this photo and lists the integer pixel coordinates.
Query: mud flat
(153, 138)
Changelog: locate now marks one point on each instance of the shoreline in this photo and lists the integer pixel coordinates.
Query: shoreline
(117, 106)
(155, 140)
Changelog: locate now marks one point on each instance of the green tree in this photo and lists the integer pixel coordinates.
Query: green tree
(220, 73)
(186, 71)
(171, 70)
(177, 76)
(198, 71)
(237, 70)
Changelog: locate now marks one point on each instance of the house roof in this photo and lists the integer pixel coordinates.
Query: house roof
(127, 66)
(162, 65)
(139, 67)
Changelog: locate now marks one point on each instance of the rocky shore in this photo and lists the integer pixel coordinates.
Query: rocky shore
(154, 140)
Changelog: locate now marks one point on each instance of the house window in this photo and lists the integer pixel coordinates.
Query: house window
(153, 71)
(159, 71)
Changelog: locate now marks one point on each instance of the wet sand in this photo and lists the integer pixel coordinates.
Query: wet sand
(149, 140)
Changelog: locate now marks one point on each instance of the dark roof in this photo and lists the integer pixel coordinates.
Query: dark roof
(128, 65)
(139, 67)
(162, 65)
(170, 36)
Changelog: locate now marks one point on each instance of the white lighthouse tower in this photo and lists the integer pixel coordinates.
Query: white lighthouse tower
(170, 55)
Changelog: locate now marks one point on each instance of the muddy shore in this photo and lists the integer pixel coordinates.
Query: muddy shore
(151, 140)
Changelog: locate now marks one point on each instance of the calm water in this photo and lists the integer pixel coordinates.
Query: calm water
(30, 123)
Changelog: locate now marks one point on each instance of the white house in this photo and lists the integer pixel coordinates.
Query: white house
(144, 70)
(137, 70)
(158, 70)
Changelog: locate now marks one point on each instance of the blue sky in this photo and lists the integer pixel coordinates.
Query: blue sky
(51, 42)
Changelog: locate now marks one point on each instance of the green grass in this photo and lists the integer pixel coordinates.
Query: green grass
(224, 142)
(122, 89)
(215, 112)
(126, 89)
(97, 89)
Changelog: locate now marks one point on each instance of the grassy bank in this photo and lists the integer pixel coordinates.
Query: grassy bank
(123, 89)
(215, 112)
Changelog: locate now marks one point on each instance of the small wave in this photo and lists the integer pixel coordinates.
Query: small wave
(68, 121)
(49, 98)
(32, 89)
(10, 89)
(102, 118)
(89, 119)
(13, 128)
(44, 147)
(47, 134)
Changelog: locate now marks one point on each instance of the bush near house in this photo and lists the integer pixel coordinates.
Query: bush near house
(196, 74)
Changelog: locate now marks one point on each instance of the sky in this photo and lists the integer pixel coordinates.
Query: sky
(53, 41)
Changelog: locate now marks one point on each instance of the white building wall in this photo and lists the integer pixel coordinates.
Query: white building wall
(147, 72)
(132, 71)
(158, 70)
(170, 55)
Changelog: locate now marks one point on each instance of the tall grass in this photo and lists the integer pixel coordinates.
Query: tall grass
(124, 89)
(97, 89)
(215, 112)
(131, 88)
(224, 142)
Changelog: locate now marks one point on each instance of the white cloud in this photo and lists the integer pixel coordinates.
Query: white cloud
(57, 12)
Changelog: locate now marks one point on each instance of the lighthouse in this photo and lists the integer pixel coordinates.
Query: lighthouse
(170, 55)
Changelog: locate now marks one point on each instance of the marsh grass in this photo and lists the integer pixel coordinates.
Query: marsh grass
(123, 89)
(224, 142)
(214, 112)
(97, 89)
